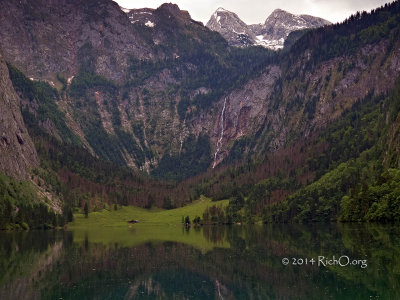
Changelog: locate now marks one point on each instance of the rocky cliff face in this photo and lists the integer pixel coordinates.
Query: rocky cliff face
(121, 71)
(123, 115)
(17, 152)
(44, 38)
(279, 108)
(272, 34)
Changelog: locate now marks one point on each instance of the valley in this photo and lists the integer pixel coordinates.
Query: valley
(151, 108)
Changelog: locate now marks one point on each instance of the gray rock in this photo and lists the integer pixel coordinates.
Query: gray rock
(17, 152)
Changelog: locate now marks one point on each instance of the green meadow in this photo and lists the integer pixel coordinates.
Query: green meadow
(121, 216)
(111, 227)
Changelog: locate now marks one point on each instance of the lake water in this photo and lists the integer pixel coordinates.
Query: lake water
(237, 262)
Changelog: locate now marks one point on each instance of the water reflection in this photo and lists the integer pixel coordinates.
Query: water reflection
(245, 262)
(214, 234)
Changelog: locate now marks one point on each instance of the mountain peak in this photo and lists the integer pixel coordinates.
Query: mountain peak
(221, 9)
(151, 17)
(231, 27)
(280, 14)
(171, 7)
(279, 11)
(271, 34)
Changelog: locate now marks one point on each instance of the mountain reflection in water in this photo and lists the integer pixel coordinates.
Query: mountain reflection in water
(213, 262)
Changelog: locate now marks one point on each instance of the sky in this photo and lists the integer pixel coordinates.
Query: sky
(256, 11)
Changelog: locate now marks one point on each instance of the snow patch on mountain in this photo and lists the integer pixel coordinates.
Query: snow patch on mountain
(271, 44)
(125, 10)
(149, 24)
(144, 16)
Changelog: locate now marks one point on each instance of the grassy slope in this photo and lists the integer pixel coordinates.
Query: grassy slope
(120, 217)
(112, 228)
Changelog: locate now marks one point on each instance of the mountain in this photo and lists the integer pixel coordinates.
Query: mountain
(232, 28)
(107, 66)
(42, 51)
(272, 34)
(136, 95)
(117, 101)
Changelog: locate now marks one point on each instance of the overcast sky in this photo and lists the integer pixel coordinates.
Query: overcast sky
(256, 11)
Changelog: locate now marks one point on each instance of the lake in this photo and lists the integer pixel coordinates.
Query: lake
(319, 261)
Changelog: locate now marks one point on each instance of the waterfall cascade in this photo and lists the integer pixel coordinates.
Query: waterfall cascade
(219, 142)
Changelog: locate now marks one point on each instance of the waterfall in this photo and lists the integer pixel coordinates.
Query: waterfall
(219, 142)
(219, 289)
(181, 133)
